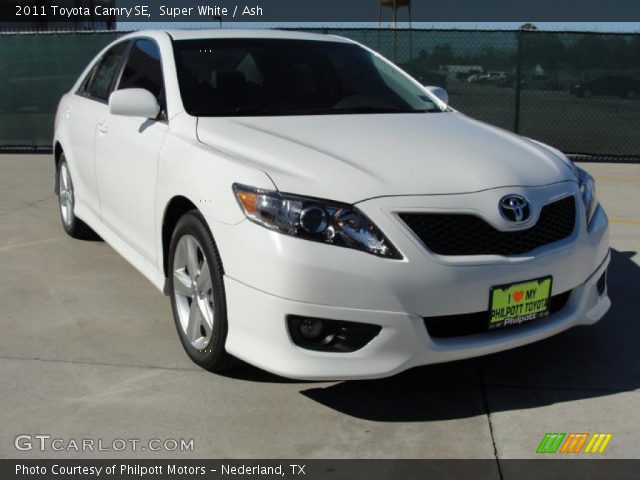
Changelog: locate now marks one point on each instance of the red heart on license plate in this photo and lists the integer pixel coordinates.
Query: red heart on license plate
(517, 296)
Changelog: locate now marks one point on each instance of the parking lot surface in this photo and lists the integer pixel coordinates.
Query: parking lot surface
(88, 349)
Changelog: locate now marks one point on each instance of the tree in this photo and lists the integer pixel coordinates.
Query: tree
(528, 27)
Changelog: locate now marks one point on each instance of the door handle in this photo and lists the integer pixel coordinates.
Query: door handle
(102, 128)
(67, 112)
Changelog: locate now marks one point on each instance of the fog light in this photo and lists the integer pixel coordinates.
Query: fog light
(310, 328)
(327, 335)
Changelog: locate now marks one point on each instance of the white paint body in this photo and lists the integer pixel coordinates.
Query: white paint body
(125, 176)
(134, 102)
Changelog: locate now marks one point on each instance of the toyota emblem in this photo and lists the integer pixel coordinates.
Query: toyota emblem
(515, 208)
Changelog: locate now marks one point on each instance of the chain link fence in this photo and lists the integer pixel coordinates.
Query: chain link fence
(579, 92)
(35, 70)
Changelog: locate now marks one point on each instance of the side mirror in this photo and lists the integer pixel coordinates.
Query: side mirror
(134, 102)
(439, 92)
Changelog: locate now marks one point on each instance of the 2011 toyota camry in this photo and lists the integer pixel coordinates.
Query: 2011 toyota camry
(312, 210)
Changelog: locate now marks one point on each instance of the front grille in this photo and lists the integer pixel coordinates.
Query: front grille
(463, 234)
(473, 323)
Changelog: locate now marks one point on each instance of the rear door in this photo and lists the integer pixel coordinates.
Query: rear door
(127, 151)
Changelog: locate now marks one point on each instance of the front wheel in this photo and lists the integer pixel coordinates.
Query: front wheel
(197, 294)
(74, 227)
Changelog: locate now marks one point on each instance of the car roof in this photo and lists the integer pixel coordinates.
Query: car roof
(245, 33)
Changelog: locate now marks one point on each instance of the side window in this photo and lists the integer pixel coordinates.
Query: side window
(144, 70)
(100, 84)
(84, 87)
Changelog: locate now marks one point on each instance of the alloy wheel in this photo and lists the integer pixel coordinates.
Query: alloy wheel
(193, 292)
(66, 197)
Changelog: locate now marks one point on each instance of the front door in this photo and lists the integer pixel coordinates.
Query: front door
(126, 155)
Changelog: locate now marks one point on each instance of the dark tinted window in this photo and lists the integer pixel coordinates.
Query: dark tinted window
(102, 79)
(87, 80)
(144, 70)
(291, 77)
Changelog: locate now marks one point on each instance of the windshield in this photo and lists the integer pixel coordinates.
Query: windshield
(248, 77)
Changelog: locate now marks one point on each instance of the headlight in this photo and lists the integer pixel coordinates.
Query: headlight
(316, 220)
(588, 190)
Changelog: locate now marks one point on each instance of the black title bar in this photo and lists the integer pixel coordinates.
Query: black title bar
(489, 469)
(323, 11)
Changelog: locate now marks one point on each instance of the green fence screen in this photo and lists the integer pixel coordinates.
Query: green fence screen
(579, 92)
(35, 70)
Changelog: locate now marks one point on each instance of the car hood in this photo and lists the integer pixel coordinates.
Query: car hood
(351, 158)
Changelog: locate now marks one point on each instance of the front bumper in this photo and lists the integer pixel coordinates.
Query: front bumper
(269, 276)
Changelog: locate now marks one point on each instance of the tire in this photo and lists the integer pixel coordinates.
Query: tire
(74, 227)
(631, 94)
(197, 294)
(586, 93)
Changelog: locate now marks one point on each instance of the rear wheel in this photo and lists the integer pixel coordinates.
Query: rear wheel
(197, 294)
(74, 227)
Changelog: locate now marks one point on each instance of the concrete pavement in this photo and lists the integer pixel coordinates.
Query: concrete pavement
(88, 349)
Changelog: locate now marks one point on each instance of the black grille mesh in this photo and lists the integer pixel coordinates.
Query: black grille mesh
(472, 323)
(463, 234)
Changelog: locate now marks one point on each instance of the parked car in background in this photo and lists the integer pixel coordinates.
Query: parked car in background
(508, 81)
(490, 77)
(313, 210)
(618, 86)
(530, 82)
(462, 76)
(425, 75)
(541, 82)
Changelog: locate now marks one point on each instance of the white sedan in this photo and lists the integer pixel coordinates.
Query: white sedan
(314, 211)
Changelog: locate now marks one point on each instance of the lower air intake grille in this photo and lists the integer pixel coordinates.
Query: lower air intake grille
(472, 323)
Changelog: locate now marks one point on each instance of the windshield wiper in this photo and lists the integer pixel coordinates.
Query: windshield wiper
(372, 109)
(260, 111)
(236, 111)
(349, 110)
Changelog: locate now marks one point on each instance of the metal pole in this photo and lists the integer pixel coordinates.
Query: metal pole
(410, 33)
(395, 31)
(93, 20)
(379, 24)
(516, 123)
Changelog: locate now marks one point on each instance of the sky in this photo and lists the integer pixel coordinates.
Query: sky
(559, 26)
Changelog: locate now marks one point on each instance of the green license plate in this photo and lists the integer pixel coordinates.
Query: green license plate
(519, 302)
